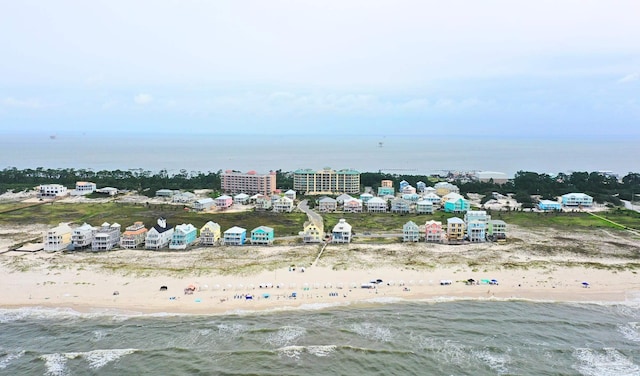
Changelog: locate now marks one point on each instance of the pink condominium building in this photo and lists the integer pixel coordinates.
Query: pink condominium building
(250, 182)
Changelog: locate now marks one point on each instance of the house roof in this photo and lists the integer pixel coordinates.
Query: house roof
(328, 200)
(376, 200)
(342, 226)
(161, 229)
(235, 230)
(411, 224)
(204, 200)
(454, 220)
(185, 227)
(262, 229)
(224, 197)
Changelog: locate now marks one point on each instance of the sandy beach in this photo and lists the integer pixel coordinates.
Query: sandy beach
(130, 281)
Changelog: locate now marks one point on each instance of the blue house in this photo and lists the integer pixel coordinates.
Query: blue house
(548, 205)
(262, 235)
(183, 236)
(456, 205)
(577, 199)
(235, 236)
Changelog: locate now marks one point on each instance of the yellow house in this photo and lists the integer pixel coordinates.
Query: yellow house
(312, 232)
(210, 233)
(58, 238)
(455, 229)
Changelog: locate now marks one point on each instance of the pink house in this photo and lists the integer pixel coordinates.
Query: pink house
(433, 232)
(353, 206)
(224, 202)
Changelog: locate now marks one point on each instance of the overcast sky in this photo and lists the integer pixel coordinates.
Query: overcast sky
(273, 66)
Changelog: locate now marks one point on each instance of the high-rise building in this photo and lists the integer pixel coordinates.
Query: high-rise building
(326, 181)
(250, 182)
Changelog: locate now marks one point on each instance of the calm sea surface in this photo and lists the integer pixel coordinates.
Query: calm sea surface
(401, 154)
(394, 338)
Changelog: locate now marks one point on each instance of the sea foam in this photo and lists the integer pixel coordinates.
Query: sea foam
(605, 362)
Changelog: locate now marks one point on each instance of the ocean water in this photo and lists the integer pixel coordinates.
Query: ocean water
(381, 338)
(402, 153)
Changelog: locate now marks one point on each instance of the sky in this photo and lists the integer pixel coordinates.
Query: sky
(554, 68)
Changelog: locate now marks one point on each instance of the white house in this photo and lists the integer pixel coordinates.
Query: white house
(424, 207)
(159, 235)
(341, 232)
(183, 198)
(283, 205)
(84, 188)
(410, 232)
(57, 238)
(82, 236)
(376, 205)
(106, 237)
(577, 199)
(52, 191)
(241, 198)
(235, 236)
(327, 205)
(203, 204)
(291, 194)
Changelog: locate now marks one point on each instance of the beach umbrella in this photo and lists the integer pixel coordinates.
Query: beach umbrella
(251, 286)
(391, 283)
(229, 286)
(421, 282)
(265, 296)
(327, 285)
(216, 287)
(354, 285)
(411, 283)
(401, 283)
(316, 285)
(585, 284)
(239, 287)
(339, 285)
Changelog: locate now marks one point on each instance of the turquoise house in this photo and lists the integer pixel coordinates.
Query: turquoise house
(262, 235)
(183, 236)
(548, 205)
(456, 205)
(386, 191)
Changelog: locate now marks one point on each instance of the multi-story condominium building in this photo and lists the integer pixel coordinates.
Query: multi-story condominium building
(106, 237)
(57, 238)
(283, 205)
(341, 232)
(455, 229)
(52, 191)
(433, 232)
(312, 232)
(84, 188)
(235, 236)
(577, 199)
(262, 235)
(210, 233)
(377, 205)
(410, 232)
(183, 236)
(326, 181)
(133, 236)
(250, 182)
(159, 235)
(83, 236)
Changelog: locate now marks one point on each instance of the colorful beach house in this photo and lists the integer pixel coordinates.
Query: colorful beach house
(283, 205)
(455, 230)
(443, 188)
(210, 233)
(476, 222)
(183, 236)
(352, 206)
(410, 232)
(327, 205)
(106, 237)
(58, 238)
(134, 236)
(403, 184)
(343, 198)
(433, 232)
(386, 191)
(262, 235)
(401, 206)
(421, 186)
(548, 205)
(223, 202)
(577, 199)
(459, 205)
(159, 236)
(235, 236)
(424, 207)
(377, 205)
(341, 232)
(312, 232)
(497, 230)
(408, 190)
(82, 236)
(203, 204)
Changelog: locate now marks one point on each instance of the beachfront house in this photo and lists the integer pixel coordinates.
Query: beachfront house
(52, 191)
(424, 207)
(183, 198)
(312, 232)
(262, 235)
(455, 230)
(327, 205)
(203, 204)
(82, 236)
(133, 236)
(83, 188)
(548, 205)
(476, 222)
(58, 238)
(235, 236)
(183, 236)
(159, 236)
(283, 205)
(459, 205)
(401, 206)
(290, 194)
(341, 232)
(241, 198)
(377, 205)
(433, 232)
(210, 233)
(496, 230)
(410, 232)
(106, 237)
(577, 199)
(352, 206)
(223, 202)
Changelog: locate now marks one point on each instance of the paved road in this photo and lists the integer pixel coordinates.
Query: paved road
(313, 216)
(628, 205)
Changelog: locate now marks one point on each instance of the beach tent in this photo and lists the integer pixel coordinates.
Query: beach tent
(585, 284)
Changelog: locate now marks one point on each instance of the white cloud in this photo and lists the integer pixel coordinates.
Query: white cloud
(21, 103)
(143, 99)
(629, 78)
